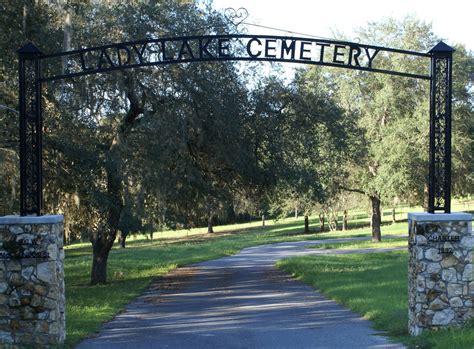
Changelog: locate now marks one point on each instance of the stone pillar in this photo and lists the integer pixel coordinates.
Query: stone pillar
(440, 286)
(32, 302)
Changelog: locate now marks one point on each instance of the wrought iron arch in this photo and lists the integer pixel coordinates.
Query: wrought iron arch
(36, 68)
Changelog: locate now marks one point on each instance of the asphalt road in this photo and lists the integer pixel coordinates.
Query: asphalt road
(241, 301)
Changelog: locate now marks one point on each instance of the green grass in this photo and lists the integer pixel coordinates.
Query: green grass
(375, 286)
(130, 270)
(397, 242)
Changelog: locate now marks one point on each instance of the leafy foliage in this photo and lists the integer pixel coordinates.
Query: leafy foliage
(184, 145)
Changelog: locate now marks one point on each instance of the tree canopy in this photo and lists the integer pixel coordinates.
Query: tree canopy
(185, 145)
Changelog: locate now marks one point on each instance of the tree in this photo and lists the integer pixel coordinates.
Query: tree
(198, 122)
(393, 114)
(463, 122)
(205, 157)
(21, 21)
(300, 139)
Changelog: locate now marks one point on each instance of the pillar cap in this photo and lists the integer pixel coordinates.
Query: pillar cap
(29, 49)
(47, 219)
(438, 217)
(441, 47)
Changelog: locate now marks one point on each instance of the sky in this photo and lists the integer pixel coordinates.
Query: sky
(452, 20)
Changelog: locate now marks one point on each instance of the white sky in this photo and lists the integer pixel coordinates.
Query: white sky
(452, 20)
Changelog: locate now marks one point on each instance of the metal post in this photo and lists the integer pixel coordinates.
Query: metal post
(439, 196)
(31, 128)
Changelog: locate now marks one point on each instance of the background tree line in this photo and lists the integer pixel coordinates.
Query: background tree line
(188, 145)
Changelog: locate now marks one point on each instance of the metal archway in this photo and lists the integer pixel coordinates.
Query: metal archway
(36, 68)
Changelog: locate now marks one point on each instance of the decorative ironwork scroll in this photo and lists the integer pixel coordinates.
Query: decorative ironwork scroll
(236, 17)
(36, 68)
(440, 128)
(30, 130)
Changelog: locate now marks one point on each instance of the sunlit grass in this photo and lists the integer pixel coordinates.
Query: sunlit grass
(130, 270)
(375, 286)
(397, 242)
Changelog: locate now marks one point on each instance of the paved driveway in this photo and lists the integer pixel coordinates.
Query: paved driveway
(241, 301)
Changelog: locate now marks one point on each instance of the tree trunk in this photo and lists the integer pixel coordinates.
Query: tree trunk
(321, 222)
(296, 212)
(24, 18)
(12, 195)
(231, 214)
(103, 241)
(306, 224)
(67, 234)
(425, 197)
(67, 33)
(99, 269)
(122, 238)
(263, 220)
(344, 220)
(394, 219)
(375, 219)
(334, 221)
(210, 230)
(100, 248)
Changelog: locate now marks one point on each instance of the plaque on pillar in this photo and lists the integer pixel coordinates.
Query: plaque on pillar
(440, 282)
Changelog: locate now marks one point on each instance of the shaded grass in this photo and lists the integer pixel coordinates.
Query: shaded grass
(130, 270)
(397, 242)
(375, 286)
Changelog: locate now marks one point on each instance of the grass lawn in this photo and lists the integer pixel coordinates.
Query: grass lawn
(375, 286)
(131, 269)
(396, 242)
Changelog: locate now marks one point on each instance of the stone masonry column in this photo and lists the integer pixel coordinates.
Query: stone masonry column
(440, 286)
(32, 302)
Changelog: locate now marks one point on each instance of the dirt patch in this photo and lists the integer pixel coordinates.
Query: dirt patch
(160, 287)
(200, 237)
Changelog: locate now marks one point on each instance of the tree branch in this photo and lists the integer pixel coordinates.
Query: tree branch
(135, 109)
(353, 190)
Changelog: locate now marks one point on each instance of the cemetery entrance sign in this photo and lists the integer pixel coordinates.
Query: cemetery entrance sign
(219, 48)
(440, 245)
(36, 68)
